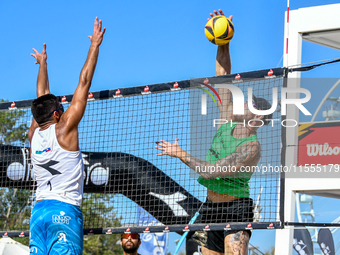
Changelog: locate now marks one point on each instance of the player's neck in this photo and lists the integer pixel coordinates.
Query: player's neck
(47, 124)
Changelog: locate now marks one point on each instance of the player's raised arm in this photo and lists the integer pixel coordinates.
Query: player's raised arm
(223, 67)
(43, 87)
(75, 112)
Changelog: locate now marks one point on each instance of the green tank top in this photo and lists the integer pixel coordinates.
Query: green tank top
(223, 145)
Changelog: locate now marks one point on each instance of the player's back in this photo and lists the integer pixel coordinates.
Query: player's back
(58, 172)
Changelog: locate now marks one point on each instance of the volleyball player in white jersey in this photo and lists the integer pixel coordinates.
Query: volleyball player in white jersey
(57, 223)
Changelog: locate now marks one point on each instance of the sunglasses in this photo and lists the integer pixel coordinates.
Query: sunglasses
(254, 105)
(60, 108)
(133, 236)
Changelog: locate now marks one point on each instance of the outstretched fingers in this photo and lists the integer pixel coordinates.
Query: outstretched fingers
(35, 55)
(215, 13)
(98, 34)
(219, 12)
(95, 23)
(100, 25)
(160, 144)
(103, 32)
(40, 57)
(162, 147)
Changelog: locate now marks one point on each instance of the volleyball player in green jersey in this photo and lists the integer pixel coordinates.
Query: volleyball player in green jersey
(233, 148)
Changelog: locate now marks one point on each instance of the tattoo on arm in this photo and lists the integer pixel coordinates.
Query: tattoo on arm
(199, 166)
(246, 155)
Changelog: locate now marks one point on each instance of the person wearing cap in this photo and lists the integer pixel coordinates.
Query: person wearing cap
(130, 243)
(234, 147)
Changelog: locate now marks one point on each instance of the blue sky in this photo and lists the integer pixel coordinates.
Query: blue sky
(146, 42)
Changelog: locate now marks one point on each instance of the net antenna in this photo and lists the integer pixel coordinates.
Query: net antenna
(257, 208)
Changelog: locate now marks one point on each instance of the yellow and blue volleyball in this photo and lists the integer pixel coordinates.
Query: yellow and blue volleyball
(219, 30)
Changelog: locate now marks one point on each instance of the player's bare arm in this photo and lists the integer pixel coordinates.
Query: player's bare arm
(43, 87)
(42, 82)
(223, 67)
(247, 154)
(67, 130)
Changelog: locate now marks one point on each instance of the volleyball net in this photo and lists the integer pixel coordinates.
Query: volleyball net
(123, 173)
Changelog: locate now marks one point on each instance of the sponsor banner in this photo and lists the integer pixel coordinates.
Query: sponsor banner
(152, 243)
(302, 242)
(326, 242)
(105, 169)
(319, 143)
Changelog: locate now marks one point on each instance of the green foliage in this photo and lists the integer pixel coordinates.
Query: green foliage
(15, 208)
(271, 251)
(102, 245)
(98, 211)
(23, 240)
(10, 131)
(14, 203)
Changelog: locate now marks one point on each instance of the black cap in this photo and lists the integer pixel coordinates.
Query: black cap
(263, 104)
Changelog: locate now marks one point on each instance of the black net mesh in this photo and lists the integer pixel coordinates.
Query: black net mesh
(118, 135)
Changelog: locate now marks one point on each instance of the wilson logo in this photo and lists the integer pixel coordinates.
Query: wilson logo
(322, 150)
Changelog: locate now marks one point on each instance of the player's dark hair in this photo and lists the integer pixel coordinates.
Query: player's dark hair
(263, 104)
(43, 106)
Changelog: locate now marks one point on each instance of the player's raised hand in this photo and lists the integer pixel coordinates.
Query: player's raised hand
(98, 34)
(172, 150)
(220, 12)
(40, 57)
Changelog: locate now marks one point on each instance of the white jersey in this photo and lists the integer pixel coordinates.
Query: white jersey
(58, 172)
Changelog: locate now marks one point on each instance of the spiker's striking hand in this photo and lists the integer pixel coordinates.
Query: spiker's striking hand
(220, 12)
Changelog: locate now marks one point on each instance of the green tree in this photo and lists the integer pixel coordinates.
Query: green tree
(98, 211)
(15, 203)
(10, 130)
